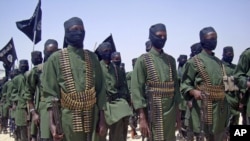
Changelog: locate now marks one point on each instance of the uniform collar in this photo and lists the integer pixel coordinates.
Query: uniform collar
(155, 52)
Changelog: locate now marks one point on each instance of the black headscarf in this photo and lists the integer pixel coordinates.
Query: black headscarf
(116, 58)
(36, 57)
(47, 52)
(104, 55)
(73, 38)
(209, 44)
(182, 60)
(228, 54)
(23, 66)
(156, 41)
(195, 49)
(148, 45)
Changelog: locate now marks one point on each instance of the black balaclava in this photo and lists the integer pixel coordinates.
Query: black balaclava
(23, 66)
(105, 51)
(157, 41)
(209, 44)
(36, 57)
(74, 38)
(195, 49)
(133, 62)
(122, 66)
(182, 60)
(48, 50)
(14, 73)
(116, 58)
(148, 45)
(228, 54)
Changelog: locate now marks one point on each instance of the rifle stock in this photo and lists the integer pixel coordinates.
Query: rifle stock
(149, 114)
(57, 116)
(203, 116)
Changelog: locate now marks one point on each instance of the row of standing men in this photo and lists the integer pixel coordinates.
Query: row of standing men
(77, 94)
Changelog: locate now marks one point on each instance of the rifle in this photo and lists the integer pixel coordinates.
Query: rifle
(149, 114)
(57, 116)
(226, 131)
(203, 116)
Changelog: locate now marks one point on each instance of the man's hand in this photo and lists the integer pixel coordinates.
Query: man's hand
(35, 118)
(56, 137)
(145, 132)
(53, 129)
(248, 84)
(190, 103)
(102, 128)
(196, 94)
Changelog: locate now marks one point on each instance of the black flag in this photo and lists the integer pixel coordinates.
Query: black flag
(8, 54)
(28, 27)
(111, 41)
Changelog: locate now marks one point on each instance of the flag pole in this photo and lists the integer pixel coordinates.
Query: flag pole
(95, 46)
(35, 27)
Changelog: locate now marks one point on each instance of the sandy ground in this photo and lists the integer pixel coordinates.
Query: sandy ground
(6, 137)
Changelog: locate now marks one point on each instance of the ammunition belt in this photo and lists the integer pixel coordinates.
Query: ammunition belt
(215, 93)
(78, 101)
(151, 72)
(161, 89)
(158, 90)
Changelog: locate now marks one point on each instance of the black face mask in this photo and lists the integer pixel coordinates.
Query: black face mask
(36, 60)
(117, 63)
(75, 38)
(47, 55)
(157, 41)
(209, 44)
(182, 62)
(23, 68)
(106, 56)
(228, 59)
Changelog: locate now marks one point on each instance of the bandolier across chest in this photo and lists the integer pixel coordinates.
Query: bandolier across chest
(156, 91)
(78, 101)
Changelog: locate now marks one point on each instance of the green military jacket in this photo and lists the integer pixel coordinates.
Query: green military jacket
(232, 97)
(192, 79)
(183, 104)
(128, 77)
(33, 88)
(4, 100)
(139, 80)
(241, 74)
(115, 83)
(19, 90)
(17, 95)
(53, 83)
(9, 98)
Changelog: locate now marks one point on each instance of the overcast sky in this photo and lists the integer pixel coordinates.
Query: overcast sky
(129, 22)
